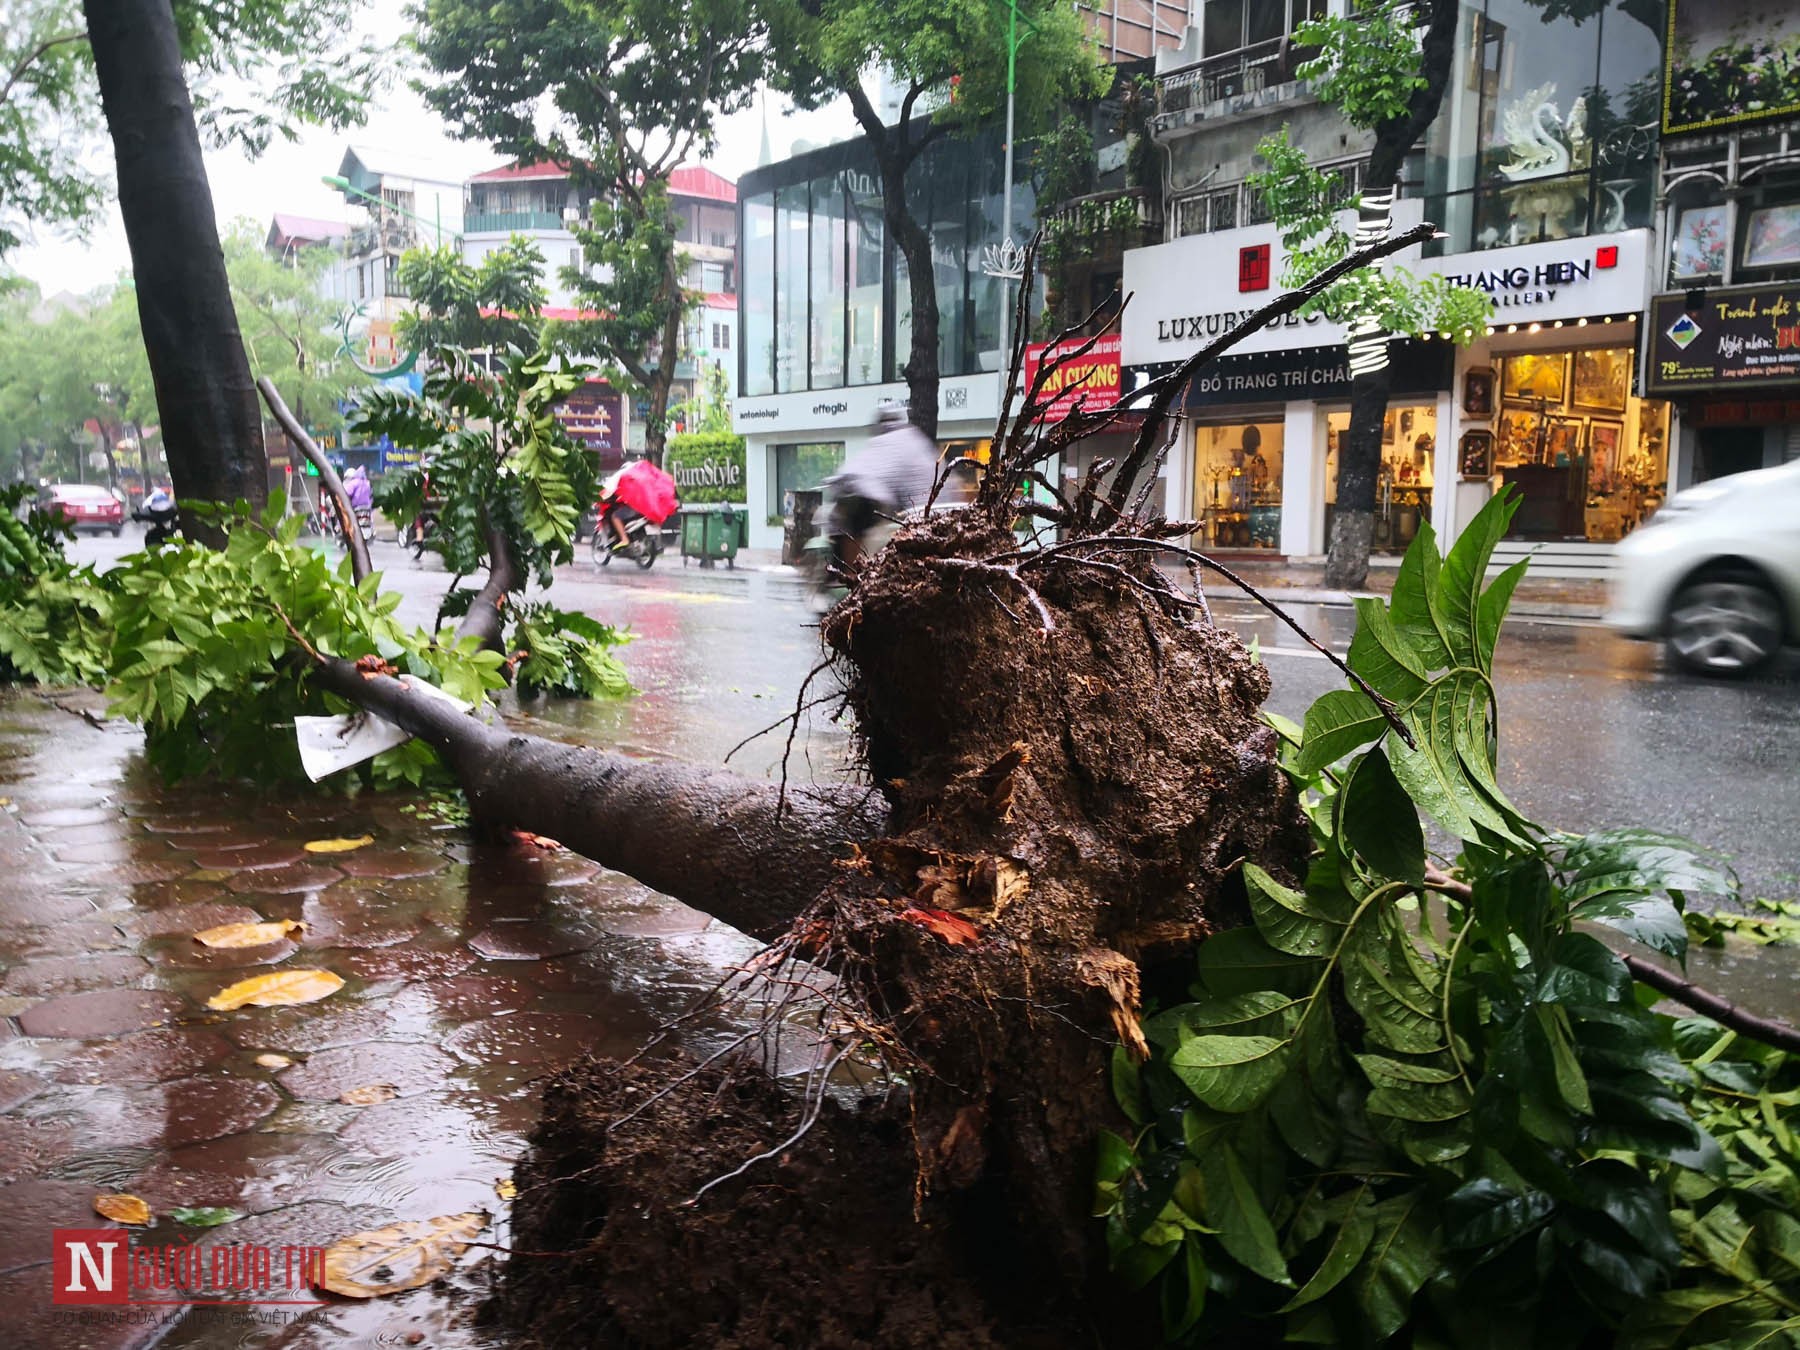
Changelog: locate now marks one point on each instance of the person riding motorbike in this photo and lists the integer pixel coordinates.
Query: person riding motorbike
(158, 512)
(361, 495)
(890, 475)
(640, 490)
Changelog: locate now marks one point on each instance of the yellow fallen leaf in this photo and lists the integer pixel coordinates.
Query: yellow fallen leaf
(274, 1061)
(278, 986)
(337, 845)
(247, 934)
(505, 1189)
(122, 1209)
(368, 1094)
(400, 1256)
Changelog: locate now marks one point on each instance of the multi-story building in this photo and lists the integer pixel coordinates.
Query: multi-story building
(1723, 332)
(405, 201)
(539, 201)
(1540, 170)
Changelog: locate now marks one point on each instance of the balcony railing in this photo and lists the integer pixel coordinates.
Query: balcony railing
(505, 222)
(1102, 225)
(1248, 70)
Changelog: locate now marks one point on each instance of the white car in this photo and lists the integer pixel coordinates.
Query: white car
(1716, 571)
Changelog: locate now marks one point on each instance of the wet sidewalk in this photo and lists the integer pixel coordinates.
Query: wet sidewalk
(470, 971)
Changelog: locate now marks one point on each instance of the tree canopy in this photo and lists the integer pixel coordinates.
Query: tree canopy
(622, 93)
(298, 58)
(287, 322)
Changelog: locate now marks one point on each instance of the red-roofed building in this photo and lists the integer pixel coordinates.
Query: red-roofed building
(541, 201)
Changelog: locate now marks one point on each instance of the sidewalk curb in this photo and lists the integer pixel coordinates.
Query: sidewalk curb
(1305, 595)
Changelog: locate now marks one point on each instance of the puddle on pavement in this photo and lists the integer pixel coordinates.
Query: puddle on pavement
(471, 972)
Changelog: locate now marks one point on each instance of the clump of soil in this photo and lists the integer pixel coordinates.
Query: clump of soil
(821, 1248)
(1075, 769)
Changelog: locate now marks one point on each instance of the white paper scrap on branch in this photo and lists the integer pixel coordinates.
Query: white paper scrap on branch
(331, 744)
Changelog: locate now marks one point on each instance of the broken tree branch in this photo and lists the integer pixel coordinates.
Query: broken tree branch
(328, 476)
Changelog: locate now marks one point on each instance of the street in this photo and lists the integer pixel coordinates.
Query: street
(1596, 731)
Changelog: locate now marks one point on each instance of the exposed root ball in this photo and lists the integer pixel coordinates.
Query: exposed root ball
(1075, 769)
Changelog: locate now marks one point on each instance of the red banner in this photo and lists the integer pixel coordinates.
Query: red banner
(1093, 378)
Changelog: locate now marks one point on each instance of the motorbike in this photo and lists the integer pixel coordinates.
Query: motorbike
(158, 514)
(645, 540)
(822, 561)
(365, 523)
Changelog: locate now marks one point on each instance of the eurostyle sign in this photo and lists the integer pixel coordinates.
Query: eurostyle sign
(1091, 379)
(1734, 339)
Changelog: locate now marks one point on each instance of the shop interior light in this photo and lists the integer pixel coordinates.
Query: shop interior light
(1535, 328)
(1490, 331)
(1557, 324)
(1581, 323)
(1512, 327)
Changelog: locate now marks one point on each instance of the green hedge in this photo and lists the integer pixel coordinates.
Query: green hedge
(708, 466)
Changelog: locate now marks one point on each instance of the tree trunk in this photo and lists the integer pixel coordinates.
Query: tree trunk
(212, 427)
(662, 380)
(739, 849)
(894, 153)
(1359, 459)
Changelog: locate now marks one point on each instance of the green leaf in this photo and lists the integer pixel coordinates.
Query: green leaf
(1379, 822)
(1287, 919)
(1402, 1014)
(1347, 1247)
(1464, 573)
(1491, 613)
(1336, 724)
(1483, 1214)
(1414, 600)
(1243, 1224)
(1241, 1013)
(1114, 1158)
(204, 1216)
(1184, 1300)
(1231, 1073)
(1648, 919)
(1392, 667)
(1238, 961)
(1402, 1255)
(1127, 1086)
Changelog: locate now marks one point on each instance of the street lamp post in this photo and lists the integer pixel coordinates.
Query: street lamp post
(342, 184)
(1005, 263)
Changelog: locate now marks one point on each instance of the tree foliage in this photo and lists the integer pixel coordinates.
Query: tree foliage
(622, 93)
(286, 321)
(298, 58)
(1402, 1102)
(492, 305)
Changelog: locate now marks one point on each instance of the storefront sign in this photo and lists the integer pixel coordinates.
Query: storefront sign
(1716, 76)
(960, 398)
(1179, 293)
(1725, 339)
(396, 460)
(594, 415)
(1595, 277)
(1746, 412)
(1315, 373)
(1091, 379)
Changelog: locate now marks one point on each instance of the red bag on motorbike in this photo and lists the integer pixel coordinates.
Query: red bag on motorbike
(647, 490)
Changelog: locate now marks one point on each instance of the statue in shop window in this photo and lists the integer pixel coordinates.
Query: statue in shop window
(1249, 470)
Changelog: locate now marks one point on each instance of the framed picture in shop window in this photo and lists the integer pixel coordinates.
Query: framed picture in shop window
(1536, 375)
(1773, 239)
(1520, 433)
(1478, 391)
(1562, 440)
(1387, 428)
(1475, 454)
(1602, 379)
(1605, 439)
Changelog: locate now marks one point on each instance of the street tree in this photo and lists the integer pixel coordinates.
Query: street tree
(48, 115)
(143, 52)
(287, 323)
(1385, 70)
(495, 304)
(951, 58)
(620, 93)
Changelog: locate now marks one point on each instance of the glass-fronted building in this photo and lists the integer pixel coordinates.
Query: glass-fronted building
(825, 312)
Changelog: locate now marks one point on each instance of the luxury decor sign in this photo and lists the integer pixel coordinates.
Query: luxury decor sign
(1724, 339)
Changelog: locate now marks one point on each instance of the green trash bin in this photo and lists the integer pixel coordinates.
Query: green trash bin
(709, 533)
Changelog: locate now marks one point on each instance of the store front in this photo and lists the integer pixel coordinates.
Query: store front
(1730, 357)
(1405, 481)
(1546, 401)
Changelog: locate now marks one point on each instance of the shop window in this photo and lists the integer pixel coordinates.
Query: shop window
(1403, 483)
(759, 295)
(1589, 458)
(798, 468)
(1237, 484)
(791, 215)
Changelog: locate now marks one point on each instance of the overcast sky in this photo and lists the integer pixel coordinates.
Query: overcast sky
(286, 177)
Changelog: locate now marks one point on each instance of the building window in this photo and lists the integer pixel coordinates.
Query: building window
(758, 351)
(799, 467)
(1544, 132)
(1237, 484)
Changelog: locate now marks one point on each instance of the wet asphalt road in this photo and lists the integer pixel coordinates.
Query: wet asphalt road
(1596, 731)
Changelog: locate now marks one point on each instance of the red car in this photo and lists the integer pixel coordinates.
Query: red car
(87, 506)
